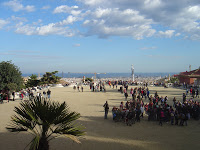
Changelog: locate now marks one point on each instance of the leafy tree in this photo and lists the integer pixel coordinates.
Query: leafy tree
(174, 80)
(50, 78)
(10, 76)
(44, 118)
(33, 81)
(88, 79)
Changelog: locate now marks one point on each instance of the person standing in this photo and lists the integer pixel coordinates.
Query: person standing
(7, 97)
(197, 93)
(138, 112)
(174, 100)
(172, 116)
(22, 95)
(49, 94)
(44, 94)
(82, 88)
(13, 94)
(184, 97)
(161, 117)
(193, 93)
(106, 108)
(142, 110)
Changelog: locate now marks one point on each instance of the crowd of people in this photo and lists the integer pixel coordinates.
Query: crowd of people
(97, 87)
(26, 94)
(157, 108)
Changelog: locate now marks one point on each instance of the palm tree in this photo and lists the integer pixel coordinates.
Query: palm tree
(43, 118)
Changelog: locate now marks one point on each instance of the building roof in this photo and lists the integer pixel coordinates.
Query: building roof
(191, 73)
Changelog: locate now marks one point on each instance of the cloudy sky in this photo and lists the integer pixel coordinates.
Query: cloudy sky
(100, 35)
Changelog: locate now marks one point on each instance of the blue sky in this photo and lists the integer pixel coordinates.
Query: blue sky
(100, 35)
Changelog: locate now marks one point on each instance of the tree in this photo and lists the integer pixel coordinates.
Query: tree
(88, 80)
(10, 76)
(33, 81)
(50, 78)
(174, 80)
(44, 118)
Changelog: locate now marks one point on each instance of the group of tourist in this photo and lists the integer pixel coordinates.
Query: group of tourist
(193, 92)
(27, 94)
(158, 108)
(78, 88)
(97, 87)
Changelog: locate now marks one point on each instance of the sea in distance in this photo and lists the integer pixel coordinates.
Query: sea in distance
(108, 75)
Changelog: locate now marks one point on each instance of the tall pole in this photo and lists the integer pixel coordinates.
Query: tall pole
(190, 68)
(132, 69)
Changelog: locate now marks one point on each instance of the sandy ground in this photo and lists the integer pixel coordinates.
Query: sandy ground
(105, 134)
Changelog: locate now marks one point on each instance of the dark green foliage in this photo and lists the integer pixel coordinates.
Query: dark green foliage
(43, 118)
(88, 79)
(50, 78)
(174, 80)
(10, 76)
(33, 81)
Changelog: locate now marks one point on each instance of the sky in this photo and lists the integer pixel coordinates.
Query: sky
(100, 35)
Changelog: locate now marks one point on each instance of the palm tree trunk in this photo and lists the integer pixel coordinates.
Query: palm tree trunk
(43, 144)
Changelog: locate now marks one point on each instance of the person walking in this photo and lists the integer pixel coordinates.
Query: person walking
(106, 108)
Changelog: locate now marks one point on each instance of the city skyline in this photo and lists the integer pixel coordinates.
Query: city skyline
(100, 35)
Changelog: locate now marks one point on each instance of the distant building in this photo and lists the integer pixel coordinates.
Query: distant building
(191, 77)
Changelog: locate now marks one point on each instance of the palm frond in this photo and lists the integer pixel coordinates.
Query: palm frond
(42, 118)
(34, 143)
(16, 129)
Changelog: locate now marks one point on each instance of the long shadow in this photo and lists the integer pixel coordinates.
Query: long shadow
(153, 135)
(109, 135)
(13, 141)
(113, 99)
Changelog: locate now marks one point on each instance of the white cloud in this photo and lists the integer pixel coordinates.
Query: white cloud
(29, 8)
(46, 7)
(58, 28)
(77, 45)
(66, 9)
(50, 29)
(180, 15)
(166, 34)
(3, 23)
(177, 34)
(14, 18)
(148, 48)
(103, 18)
(115, 22)
(93, 2)
(15, 5)
(152, 3)
(69, 20)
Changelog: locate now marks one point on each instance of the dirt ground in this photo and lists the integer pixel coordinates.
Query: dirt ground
(104, 134)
